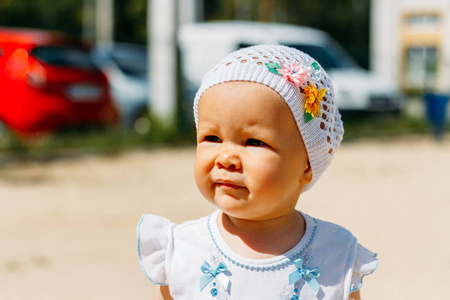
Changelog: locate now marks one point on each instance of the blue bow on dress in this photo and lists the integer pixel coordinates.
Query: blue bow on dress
(211, 273)
(308, 275)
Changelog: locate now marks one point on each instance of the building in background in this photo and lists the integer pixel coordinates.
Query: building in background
(410, 43)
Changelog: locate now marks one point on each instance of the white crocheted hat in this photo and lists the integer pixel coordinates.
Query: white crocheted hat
(301, 82)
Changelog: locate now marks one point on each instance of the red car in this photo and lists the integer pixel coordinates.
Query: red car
(48, 82)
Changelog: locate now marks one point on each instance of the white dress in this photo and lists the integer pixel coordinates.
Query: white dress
(194, 260)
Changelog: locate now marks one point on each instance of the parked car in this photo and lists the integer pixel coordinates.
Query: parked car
(204, 44)
(48, 82)
(125, 66)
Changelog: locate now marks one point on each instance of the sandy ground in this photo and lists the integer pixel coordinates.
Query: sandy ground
(67, 227)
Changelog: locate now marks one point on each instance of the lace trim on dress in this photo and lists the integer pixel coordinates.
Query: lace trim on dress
(311, 225)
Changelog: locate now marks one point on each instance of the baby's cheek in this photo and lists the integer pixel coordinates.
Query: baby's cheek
(266, 173)
(200, 175)
(271, 173)
(205, 187)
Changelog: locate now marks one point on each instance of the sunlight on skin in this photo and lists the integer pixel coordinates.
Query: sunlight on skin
(250, 215)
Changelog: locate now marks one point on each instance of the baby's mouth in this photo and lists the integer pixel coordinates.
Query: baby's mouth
(227, 185)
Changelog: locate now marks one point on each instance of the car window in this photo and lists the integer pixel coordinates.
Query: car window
(326, 58)
(133, 67)
(63, 56)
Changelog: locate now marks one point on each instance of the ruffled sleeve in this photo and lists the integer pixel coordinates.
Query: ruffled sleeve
(153, 245)
(365, 263)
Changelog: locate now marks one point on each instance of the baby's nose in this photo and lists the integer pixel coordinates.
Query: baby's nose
(228, 159)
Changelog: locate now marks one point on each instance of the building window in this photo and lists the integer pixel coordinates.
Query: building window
(422, 67)
(423, 20)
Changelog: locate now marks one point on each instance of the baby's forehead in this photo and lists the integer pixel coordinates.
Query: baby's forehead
(229, 88)
(262, 97)
(248, 106)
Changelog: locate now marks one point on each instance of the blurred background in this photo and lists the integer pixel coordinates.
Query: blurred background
(96, 128)
(124, 73)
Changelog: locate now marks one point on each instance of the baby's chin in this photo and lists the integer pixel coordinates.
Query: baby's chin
(236, 212)
(235, 208)
(244, 212)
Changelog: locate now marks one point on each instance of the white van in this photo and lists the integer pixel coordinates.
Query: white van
(205, 44)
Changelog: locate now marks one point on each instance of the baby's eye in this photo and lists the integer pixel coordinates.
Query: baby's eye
(255, 142)
(212, 139)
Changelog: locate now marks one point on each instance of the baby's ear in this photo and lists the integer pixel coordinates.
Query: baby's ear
(307, 175)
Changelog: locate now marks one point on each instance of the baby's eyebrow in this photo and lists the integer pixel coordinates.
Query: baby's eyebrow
(258, 129)
(208, 120)
(260, 134)
(206, 124)
(206, 127)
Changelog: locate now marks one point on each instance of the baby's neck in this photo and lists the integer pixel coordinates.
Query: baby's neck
(262, 239)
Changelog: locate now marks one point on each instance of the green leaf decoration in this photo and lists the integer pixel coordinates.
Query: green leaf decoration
(273, 67)
(308, 117)
(315, 65)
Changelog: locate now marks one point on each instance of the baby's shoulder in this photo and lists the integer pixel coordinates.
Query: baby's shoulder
(155, 223)
(339, 255)
(158, 237)
(330, 234)
(192, 229)
(191, 224)
(333, 229)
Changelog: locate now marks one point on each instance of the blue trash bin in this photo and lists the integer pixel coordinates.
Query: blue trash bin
(436, 108)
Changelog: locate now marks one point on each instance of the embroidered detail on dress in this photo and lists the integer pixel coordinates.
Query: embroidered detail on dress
(309, 275)
(290, 292)
(332, 228)
(220, 283)
(284, 263)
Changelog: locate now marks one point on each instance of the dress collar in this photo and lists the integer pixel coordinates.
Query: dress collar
(285, 259)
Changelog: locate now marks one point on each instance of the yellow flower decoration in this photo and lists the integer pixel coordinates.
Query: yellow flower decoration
(313, 98)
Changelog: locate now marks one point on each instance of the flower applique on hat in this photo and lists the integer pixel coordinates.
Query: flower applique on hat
(298, 75)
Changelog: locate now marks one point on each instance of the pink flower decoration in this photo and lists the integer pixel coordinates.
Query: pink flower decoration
(294, 72)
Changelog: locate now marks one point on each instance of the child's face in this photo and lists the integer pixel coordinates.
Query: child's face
(251, 161)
